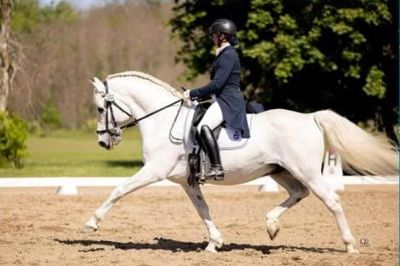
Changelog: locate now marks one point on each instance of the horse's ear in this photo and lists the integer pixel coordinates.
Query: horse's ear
(98, 86)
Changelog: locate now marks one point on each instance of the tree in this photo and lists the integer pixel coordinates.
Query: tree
(7, 57)
(63, 48)
(304, 55)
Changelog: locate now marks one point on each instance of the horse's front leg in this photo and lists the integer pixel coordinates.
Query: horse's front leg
(147, 175)
(197, 198)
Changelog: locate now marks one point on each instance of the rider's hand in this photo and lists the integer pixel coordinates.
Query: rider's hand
(186, 96)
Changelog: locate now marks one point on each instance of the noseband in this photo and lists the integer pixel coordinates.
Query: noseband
(110, 102)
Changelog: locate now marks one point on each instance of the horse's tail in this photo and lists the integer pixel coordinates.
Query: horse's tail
(361, 152)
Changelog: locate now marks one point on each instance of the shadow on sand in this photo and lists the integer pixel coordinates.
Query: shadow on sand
(124, 163)
(181, 246)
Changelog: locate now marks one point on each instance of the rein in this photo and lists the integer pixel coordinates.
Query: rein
(133, 123)
(110, 102)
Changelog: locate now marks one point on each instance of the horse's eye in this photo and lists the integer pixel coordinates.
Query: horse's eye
(100, 110)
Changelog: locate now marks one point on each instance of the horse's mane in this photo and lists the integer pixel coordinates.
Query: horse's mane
(148, 77)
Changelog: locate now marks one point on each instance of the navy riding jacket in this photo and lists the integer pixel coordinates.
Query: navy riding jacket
(225, 84)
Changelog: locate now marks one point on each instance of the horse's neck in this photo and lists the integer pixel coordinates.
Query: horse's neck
(141, 95)
(144, 97)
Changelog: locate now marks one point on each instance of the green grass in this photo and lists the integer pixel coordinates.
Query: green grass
(76, 153)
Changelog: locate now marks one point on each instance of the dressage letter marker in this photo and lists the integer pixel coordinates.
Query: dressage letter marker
(333, 171)
(67, 190)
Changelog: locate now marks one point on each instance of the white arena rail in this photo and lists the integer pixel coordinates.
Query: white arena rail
(332, 174)
(114, 181)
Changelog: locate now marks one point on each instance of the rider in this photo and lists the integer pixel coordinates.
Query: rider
(228, 103)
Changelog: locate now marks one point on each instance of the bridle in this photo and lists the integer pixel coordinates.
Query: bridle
(110, 102)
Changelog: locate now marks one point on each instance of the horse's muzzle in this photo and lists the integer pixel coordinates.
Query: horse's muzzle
(104, 145)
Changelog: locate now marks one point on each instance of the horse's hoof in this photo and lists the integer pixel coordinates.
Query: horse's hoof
(90, 226)
(351, 249)
(272, 228)
(354, 251)
(211, 248)
(88, 229)
(213, 244)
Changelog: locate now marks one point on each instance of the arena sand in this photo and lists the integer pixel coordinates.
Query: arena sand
(159, 226)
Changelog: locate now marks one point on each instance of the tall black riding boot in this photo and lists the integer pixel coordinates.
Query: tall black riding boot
(210, 146)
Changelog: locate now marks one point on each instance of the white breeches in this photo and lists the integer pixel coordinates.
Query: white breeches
(212, 118)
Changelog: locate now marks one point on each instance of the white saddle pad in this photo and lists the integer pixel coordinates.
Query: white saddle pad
(229, 139)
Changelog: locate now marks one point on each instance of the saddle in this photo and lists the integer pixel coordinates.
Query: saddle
(227, 138)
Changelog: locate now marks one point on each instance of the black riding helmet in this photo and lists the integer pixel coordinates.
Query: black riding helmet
(223, 26)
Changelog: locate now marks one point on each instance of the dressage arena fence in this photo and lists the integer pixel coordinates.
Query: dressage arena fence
(332, 174)
(70, 185)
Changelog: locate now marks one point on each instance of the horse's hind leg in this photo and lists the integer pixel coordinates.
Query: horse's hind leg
(332, 201)
(144, 177)
(197, 198)
(297, 192)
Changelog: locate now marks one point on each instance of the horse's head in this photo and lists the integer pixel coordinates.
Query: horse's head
(112, 115)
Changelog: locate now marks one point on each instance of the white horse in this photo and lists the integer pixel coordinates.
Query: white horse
(286, 144)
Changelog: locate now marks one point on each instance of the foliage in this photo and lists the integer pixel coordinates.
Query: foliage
(29, 14)
(302, 55)
(90, 125)
(61, 56)
(50, 116)
(375, 85)
(13, 135)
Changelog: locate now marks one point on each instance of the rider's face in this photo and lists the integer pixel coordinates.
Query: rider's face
(215, 38)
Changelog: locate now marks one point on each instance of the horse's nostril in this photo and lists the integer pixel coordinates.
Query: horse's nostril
(102, 144)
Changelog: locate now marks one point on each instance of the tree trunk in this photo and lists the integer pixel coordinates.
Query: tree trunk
(6, 66)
